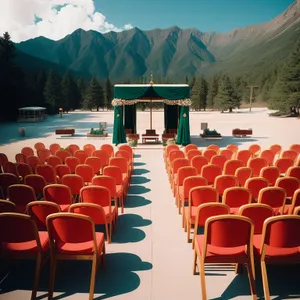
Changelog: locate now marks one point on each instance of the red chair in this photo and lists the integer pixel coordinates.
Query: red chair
(271, 173)
(109, 149)
(295, 147)
(63, 154)
(192, 153)
(11, 168)
(283, 164)
(234, 148)
(48, 172)
(231, 166)
(167, 151)
(37, 182)
(279, 244)
(81, 155)
(256, 164)
(23, 170)
(210, 172)
(73, 148)
(61, 171)
(101, 196)
(243, 174)
(86, 172)
(21, 195)
(205, 211)
(94, 211)
(227, 153)
(189, 147)
(123, 165)
(255, 184)
(3, 160)
(213, 147)
(290, 154)
(104, 156)
(235, 197)
(268, 155)
(89, 149)
(7, 180)
(199, 162)
(54, 148)
(176, 164)
(244, 156)
(7, 206)
(39, 146)
(54, 161)
(59, 194)
(116, 173)
(174, 154)
(289, 184)
(219, 245)
(95, 163)
(128, 157)
(218, 160)
(27, 151)
(209, 153)
(40, 210)
(223, 182)
(116, 191)
(184, 191)
(72, 163)
(294, 172)
(275, 197)
(73, 237)
(33, 162)
(128, 149)
(276, 149)
(258, 213)
(254, 149)
(75, 183)
(198, 195)
(20, 158)
(290, 208)
(43, 155)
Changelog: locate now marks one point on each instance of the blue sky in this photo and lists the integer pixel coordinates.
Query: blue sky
(205, 15)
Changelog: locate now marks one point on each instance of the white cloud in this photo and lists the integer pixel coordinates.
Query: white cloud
(56, 18)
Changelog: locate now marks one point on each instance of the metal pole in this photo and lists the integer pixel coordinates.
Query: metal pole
(151, 114)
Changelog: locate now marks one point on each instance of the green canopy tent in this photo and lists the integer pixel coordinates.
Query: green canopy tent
(127, 95)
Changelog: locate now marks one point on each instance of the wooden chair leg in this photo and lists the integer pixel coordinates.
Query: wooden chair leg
(251, 280)
(188, 231)
(195, 263)
(238, 269)
(52, 277)
(202, 278)
(93, 277)
(36, 276)
(265, 280)
(108, 229)
(183, 217)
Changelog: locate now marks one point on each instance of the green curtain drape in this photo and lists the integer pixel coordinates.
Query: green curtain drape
(183, 134)
(119, 136)
(167, 92)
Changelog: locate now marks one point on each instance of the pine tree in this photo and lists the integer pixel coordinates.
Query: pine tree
(52, 93)
(94, 96)
(39, 87)
(241, 89)
(203, 93)
(286, 92)
(108, 94)
(226, 98)
(212, 91)
(195, 95)
(82, 86)
(67, 93)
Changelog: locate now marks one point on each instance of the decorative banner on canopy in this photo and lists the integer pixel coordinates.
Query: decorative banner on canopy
(180, 102)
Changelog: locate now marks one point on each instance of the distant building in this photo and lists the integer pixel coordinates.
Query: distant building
(32, 114)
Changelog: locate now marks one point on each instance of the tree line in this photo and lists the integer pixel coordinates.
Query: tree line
(49, 89)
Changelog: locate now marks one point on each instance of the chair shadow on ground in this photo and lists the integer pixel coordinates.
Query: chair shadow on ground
(126, 231)
(74, 277)
(137, 190)
(137, 156)
(226, 140)
(139, 180)
(283, 283)
(139, 164)
(140, 171)
(133, 201)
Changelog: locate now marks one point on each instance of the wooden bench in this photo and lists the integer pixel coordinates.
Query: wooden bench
(149, 138)
(70, 131)
(241, 132)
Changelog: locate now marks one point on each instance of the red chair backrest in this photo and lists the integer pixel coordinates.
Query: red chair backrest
(290, 154)
(269, 156)
(294, 172)
(89, 149)
(199, 162)
(119, 162)
(81, 155)
(256, 164)
(192, 153)
(23, 169)
(21, 195)
(106, 181)
(189, 147)
(243, 174)
(74, 182)
(37, 182)
(20, 158)
(126, 148)
(96, 194)
(109, 149)
(271, 173)
(273, 196)
(237, 196)
(10, 167)
(209, 153)
(95, 163)
(115, 172)
(178, 163)
(283, 164)
(208, 210)
(54, 148)
(244, 156)
(218, 160)
(94, 211)
(175, 154)
(227, 153)
(27, 151)
(48, 172)
(224, 182)
(231, 166)
(254, 149)
(63, 154)
(103, 155)
(289, 184)
(33, 162)
(72, 162)
(185, 172)
(7, 206)
(234, 148)
(58, 193)
(54, 161)
(86, 172)
(255, 184)
(43, 154)
(7, 180)
(39, 146)
(213, 147)
(191, 182)
(295, 147)
(276, 149)
(203, 194)
(73, 148)
(210, 172)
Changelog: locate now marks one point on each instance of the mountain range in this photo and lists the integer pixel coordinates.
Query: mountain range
(173, 52)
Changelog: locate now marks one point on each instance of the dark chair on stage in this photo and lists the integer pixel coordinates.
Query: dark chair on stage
(150, 135)
(168, 134)
(130, 135)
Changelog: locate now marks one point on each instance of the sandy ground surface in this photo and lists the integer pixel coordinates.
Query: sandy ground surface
(149, 257)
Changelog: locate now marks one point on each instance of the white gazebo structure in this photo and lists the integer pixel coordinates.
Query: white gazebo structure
(32, 114)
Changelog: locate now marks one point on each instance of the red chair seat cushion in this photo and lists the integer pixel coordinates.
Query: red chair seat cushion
(109, 216)
(193, 214)
(30, 246)
(85, 248)
(220, 254)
